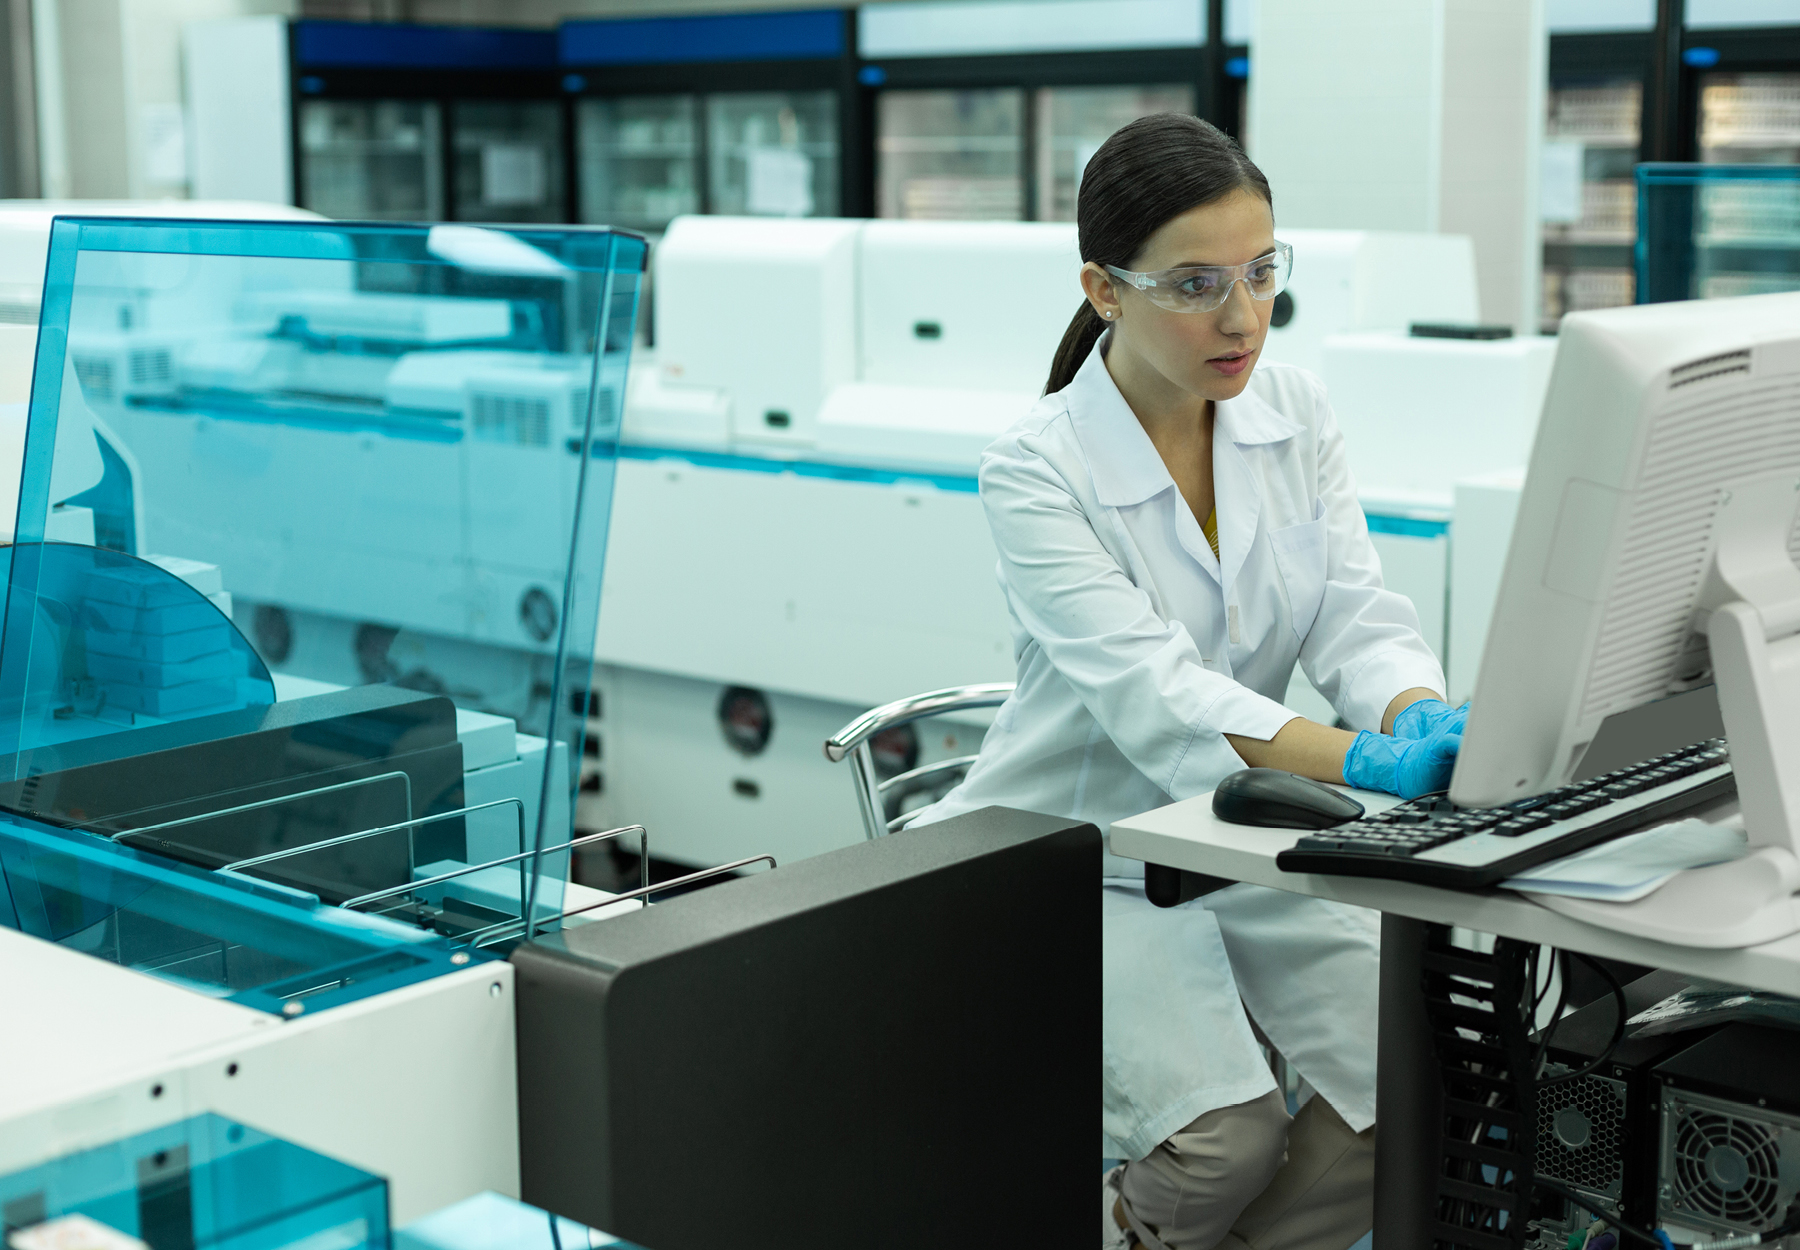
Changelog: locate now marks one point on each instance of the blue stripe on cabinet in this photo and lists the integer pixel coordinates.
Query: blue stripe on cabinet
(800, 468)
(1411, 527)
(393, 45)
(801, 35)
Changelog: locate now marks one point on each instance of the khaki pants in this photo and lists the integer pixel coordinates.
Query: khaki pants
(1247, 1178)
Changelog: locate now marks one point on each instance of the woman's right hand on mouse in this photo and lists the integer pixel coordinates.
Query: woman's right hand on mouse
(1407, 767)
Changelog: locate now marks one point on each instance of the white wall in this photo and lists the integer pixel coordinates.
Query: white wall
(241, 145)
(1339, 92)
(1730, 14)
(1418, 115)
(112, 123)
(974, 27)
(1496, 62)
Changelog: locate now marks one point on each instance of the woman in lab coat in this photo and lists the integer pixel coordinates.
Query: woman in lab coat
(1177, 525)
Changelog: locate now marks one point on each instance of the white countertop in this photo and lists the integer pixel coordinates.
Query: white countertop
(1187, 835)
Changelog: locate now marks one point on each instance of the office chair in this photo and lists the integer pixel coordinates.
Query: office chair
(875, 797)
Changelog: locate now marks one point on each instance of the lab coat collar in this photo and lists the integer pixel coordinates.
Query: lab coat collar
(1251, 419)
(1124, 462)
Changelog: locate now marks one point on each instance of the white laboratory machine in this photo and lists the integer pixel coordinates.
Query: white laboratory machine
(798, 535)
(1431, 425)
(24, 237)
(1347, 281)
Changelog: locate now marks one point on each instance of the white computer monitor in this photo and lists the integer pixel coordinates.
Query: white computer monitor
(1653, 554)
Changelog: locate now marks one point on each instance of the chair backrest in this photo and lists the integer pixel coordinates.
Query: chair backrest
(853, 742)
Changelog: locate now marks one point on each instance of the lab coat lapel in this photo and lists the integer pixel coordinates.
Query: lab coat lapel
(1121, 458)
(1128, 471)
(1246, 421)
(1239, 504)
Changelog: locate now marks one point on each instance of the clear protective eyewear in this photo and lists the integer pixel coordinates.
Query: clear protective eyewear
(1202, 288)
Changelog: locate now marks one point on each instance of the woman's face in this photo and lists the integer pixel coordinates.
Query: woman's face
(1208, 355)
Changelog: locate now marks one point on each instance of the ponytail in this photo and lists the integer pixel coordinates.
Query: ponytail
(1077, 344)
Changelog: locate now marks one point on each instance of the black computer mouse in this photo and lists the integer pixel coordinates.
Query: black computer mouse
(1272, 798)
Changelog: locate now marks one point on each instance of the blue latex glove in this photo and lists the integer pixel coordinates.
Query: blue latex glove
(1407, 767)
(1426, 716)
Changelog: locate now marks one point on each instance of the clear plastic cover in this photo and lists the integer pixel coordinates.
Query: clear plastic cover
(260, 453)
(207, 1183)
(1714, 231)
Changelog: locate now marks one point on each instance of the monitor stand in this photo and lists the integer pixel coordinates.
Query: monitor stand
(1753, 592)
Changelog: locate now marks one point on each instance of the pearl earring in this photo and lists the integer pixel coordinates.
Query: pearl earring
(1107, 315)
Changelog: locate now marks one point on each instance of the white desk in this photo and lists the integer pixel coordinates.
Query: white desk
(1186, 835)
(1409, 1111)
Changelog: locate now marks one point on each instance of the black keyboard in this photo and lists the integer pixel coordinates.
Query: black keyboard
(1429, 841)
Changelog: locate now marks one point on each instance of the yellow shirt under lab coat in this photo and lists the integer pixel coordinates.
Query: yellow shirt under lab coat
(1138, 649)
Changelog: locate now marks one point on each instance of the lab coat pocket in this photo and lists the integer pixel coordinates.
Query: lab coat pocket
(1300, 554)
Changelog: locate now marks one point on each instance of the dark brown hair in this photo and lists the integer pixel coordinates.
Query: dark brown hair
(1148, 173)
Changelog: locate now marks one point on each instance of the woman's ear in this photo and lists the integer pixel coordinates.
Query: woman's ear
(1097, 285)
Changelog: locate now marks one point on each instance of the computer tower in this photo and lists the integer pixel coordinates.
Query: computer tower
(1598, 1134)
(1729, 1146)
(834, 1053)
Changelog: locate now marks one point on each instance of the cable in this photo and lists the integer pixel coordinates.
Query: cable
(1618, 1034)
(1538, 1001)
(1562, 999)
(1593, 1208)
(1786, 1228)
(1742, 1241)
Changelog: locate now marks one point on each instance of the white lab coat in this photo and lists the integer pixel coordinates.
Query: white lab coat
(1137, 652)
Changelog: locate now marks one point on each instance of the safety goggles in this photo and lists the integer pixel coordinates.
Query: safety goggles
(1202, 288)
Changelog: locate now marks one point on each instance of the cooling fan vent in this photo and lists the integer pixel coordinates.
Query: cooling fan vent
(1726, 1165)
(1580, 1133)
(1711, 367)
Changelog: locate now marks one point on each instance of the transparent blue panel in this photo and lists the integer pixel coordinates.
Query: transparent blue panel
(205, 1183)
(587, 552)
(386, 451)
(98, 641)
(258, 943)
(490, 1221)
(1711, 231)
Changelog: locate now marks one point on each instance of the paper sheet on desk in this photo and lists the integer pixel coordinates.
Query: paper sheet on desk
(1628, 868)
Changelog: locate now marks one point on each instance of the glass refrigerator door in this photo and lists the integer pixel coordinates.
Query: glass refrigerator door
(951, 155)
(1591, 139)
(638, 158)
(1749, 232)
(509, 164)
(773, 153)
(1072, 122)
(1750, 119)
(371, 160)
